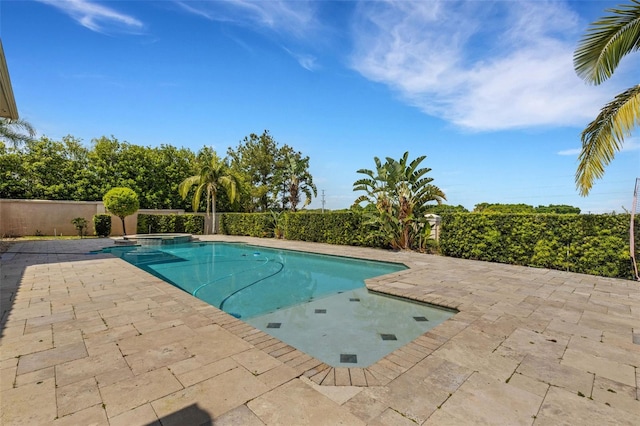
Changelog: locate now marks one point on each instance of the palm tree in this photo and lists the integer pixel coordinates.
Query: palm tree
(413, 191)
(400, 192)
(13, 131)
(374, 185)
(299, 180)
(212, 176)
(596, 58)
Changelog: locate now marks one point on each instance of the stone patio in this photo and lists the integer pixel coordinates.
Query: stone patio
(89, 339)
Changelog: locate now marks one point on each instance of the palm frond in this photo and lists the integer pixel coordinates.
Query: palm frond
(196, 197)
(307, 194)
(605, 135)
(231, 185)
(606, 42)
(185, 186)
(10, 131)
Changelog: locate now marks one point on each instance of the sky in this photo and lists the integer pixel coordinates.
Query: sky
(485, 89)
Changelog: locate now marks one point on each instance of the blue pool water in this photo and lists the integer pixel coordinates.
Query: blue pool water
(317, 303)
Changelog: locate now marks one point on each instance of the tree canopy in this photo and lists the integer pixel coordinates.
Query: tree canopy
(265, 168)
(524, 208)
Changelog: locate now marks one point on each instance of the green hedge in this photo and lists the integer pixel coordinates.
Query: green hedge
(345, 228)
(251, 224)
(102, 224)
(163, 223)
(590, 244)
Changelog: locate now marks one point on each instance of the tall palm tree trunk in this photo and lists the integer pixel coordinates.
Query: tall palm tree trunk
(213, 215)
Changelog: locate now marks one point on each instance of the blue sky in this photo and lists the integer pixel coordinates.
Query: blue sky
(486, 90)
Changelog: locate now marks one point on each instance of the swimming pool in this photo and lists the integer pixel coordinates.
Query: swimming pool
(316, 303)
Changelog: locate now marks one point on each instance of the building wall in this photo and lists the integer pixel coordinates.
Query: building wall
(45, 217)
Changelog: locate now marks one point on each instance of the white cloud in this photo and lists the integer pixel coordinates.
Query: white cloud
(292, 20)
(306, 61)
(570, 152)
(287, 17)
(630, 144)
(481, 65)
(96, 17)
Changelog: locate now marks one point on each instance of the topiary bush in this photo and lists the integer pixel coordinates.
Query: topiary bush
(121, 202)
(102, 224)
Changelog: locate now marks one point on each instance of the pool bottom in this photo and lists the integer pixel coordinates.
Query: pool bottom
(354, 328)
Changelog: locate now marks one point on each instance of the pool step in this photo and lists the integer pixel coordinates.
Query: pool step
(154, 239)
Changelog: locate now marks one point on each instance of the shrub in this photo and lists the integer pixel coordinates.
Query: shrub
(590, 244)
(170, 223)
(102, 224)
(251, 224)
(81, 226)
(332, 227)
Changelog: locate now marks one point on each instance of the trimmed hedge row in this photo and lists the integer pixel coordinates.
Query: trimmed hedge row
(250, 224)
(590, 244)
(345, 228)
(161, 223)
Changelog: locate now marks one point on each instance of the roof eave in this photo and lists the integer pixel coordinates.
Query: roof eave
(8, 108)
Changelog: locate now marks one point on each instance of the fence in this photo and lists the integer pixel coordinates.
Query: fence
(44, 217)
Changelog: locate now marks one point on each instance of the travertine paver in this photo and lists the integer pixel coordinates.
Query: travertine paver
(89, 339)
(94, 416)
(561, 407)
(297, 403)
(147, 387)
(77, 396)
(485, 400)
(213, 397)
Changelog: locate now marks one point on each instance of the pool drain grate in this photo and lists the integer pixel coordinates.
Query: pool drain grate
(349, 358)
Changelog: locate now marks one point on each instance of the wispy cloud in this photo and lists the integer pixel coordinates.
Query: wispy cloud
(570, 152)
(629, 145)
(292, 21)
(97, 17)
(306, 61)
(480, 65)
(288, 17)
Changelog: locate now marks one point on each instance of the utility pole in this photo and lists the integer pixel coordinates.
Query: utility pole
(323, 201)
